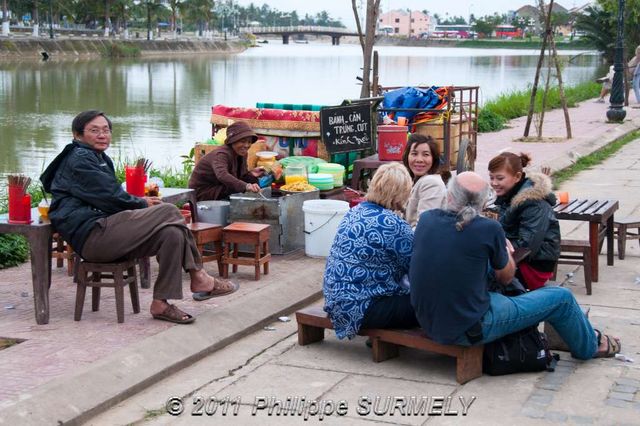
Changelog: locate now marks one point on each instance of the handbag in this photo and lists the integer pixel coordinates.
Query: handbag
(523, 351)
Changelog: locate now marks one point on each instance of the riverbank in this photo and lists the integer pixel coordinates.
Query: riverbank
(12, 48)
(480, 44)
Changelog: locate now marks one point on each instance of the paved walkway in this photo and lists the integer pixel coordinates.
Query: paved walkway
(269, 365)
(52, 356)
(589, 129)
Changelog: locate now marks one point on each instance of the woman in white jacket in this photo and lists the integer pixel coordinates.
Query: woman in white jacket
(421, 158)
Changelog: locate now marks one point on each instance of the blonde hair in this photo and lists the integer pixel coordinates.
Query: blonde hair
(390, 187)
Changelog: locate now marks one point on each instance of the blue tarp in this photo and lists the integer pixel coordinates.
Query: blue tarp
(411, 97)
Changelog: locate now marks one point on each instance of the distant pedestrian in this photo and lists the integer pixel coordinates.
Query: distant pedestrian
(606, 85)
(634, 70)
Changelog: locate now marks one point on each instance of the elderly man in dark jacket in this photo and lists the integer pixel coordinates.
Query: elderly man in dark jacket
(103, 223)
(223, 172)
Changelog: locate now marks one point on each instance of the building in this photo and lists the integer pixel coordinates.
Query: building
(405, 23)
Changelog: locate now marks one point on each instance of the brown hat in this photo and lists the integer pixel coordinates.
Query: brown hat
(238, 131)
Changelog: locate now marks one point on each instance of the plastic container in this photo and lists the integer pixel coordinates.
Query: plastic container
(19, 205)
(43, 209)
(391, 142)
(295, 173)
(322, 181)
(134, 179)
(321, 220)
(265, 158)
(214, 211)
(334, 169)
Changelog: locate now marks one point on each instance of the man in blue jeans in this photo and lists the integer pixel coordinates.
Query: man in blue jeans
(453, 251)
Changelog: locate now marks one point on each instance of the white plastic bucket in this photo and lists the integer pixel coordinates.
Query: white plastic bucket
(321, 220)
(214, 211)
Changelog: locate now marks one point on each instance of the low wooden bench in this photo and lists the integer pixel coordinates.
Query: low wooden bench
(313, 321)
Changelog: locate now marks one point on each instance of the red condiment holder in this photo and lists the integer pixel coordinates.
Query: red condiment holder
(135, 178)
(19, 205)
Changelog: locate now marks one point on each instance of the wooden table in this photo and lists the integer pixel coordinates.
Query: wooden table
(599, 214)
(175, 195)
(38, 233)
(371, 162)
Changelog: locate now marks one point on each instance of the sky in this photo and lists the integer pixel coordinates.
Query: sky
(341, 9)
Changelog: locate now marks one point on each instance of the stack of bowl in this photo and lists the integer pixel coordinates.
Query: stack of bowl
(334, 169)
(322, 181)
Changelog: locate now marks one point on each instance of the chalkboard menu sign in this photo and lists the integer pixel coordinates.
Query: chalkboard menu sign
(346, 128)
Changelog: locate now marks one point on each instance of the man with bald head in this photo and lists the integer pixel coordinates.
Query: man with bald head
(454, 252)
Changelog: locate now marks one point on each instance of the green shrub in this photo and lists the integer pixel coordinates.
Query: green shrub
(495, 113)
(489, 121)
(14, 250)
(121, 50)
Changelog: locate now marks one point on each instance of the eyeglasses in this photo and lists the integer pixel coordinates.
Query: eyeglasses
(96, 132)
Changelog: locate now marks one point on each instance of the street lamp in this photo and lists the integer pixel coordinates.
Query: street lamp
(616, 112)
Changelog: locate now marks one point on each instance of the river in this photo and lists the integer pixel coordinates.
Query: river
(161, 106)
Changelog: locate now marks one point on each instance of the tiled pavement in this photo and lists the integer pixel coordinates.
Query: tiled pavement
(61, 346)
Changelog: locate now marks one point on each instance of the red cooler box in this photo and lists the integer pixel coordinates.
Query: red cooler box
(391, 142)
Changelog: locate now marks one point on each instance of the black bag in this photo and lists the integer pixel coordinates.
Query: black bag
(522, 351)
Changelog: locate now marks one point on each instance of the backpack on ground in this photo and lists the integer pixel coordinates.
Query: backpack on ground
(523, 351)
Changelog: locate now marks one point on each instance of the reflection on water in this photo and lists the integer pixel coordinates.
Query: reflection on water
(160, 107)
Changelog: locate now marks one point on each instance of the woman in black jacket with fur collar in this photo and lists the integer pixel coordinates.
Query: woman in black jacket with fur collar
(525, 206)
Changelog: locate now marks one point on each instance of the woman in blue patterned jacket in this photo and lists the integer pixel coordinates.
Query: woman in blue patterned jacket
(369, 256)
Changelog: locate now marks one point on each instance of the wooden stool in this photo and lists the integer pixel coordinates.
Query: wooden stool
(621, 232)
(583, 258)
(208, 233)
(119, 280)
(60, 251)
(246, 233)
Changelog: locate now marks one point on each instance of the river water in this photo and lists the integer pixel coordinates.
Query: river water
(161, 106)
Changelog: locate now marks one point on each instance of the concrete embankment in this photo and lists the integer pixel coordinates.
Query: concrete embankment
(33, 47)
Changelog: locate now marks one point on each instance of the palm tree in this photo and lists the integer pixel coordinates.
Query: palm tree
(5, 18)
(107, 18)
(201, 12)
(174, 5)
(599, 29)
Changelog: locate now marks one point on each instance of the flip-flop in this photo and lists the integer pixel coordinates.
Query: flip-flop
(175, 315)
(204, 295)
(613, 346)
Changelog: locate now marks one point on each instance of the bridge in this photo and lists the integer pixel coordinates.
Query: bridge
(334, 32)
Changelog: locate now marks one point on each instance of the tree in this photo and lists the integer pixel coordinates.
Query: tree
(366, 41)
(200, 12)
(5, 18)
(454, 20)
(599, 29)
(484, 27)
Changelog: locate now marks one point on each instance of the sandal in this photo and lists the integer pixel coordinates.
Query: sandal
(231, 287)
(173, 314)
(613, 346)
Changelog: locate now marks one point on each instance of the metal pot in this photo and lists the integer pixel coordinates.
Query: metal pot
(214, 211)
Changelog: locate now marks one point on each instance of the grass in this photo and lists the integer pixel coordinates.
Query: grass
(495, 113)
(523, 44)
(7, 342)
(593, 159)
(121, 50)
